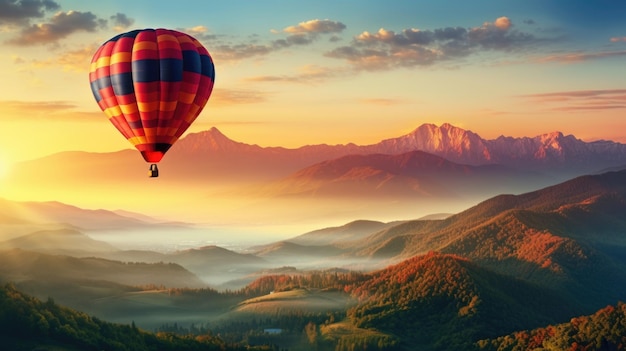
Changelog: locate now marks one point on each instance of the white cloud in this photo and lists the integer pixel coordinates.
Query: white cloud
(316, 26)
(386, 49)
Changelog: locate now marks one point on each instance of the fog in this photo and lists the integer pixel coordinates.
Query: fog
(169, 240)
(269, 222)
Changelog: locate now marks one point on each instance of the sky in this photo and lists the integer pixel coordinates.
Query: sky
(292, 73)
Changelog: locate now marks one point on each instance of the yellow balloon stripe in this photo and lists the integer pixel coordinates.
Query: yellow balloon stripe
(100, 63)
(136, 140)
(120, 57)
(113, 111)
(145, 45)
(148, 106)
(129, 109)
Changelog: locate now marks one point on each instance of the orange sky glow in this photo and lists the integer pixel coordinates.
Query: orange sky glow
(538, 74)
(326, 73)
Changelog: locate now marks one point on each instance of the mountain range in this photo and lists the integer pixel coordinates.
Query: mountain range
(436, 168)
(508, 263)
(547, 152)
(567, 236)
(413, 174)
(39, 270)
(564, 236)
(57, 212)
(59, 220)
(212, 155)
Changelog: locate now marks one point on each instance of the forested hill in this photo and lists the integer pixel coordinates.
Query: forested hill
(443, 302)
(26, 323)
(604, 330)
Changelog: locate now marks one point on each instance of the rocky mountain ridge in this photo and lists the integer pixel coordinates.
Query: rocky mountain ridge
(549, 150)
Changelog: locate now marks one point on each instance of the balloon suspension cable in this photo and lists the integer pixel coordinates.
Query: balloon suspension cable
(153, 171)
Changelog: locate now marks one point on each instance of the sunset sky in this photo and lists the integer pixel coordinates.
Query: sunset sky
(290, 73)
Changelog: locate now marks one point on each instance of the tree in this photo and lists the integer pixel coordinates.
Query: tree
(311, 333)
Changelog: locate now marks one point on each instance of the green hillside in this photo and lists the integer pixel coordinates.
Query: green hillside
(30, 324)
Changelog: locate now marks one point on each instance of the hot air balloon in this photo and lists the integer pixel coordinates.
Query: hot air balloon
(152, 84)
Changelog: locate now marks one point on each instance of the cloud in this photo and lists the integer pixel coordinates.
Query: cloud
(387, 49)
(71, 61)
(302, 34)
(201, 33)
(17, 59)
(497, 35)
(64, 110)
(579, 93)
(35, 106)
(296, 39)
(196, 31)
(334, 38)
(590, 106)
(20, 12)
(316, 26)
(618, 39)
(310, 74)
(577, 57)
(45, 110)
(382, 101)
(577, 100)
(61, 25)
(121, 21)
(236, 52)
(225, 97)
(502, 23)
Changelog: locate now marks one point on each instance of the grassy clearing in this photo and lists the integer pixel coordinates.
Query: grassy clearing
(296, 300)
(345, 328)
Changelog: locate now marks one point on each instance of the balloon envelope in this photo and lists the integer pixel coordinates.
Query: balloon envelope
(152, 84)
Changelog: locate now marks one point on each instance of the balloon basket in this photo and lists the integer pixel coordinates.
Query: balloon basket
(153, 172)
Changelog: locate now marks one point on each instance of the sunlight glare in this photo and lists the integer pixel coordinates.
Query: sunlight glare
(4, 167)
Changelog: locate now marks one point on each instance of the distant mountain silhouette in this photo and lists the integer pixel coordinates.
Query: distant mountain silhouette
(212, 155)
(295, 252)
(55, 212)
(21, 265)
(414, 174)
(337, 235)
(58, 241)
(208, 165)
(213, 264)
(551, 151)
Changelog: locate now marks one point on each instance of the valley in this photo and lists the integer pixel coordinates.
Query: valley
(437, 239)
(463, 280)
